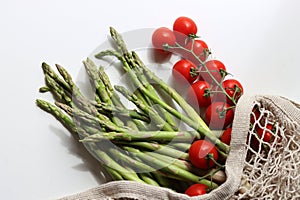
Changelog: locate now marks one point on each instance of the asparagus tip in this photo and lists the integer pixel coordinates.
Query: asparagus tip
(44, 89)
(45, 66)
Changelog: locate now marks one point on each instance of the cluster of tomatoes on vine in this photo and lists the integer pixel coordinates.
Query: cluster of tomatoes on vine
(210, 91)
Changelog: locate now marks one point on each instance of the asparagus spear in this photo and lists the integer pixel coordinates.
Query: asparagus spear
(160, 136)
(161, 149)
(96, 81)
(147, 177)
(58, 114)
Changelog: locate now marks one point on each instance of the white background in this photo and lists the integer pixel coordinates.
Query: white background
(258, 41)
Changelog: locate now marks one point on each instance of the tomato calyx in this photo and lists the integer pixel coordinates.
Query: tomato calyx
(193, 36)
(222, 111)
(223, 73)
(194, 72)
(207, 93)
(219, 115)
(166, 47)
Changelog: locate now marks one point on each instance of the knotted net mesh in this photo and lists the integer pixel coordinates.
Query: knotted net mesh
(272, 164)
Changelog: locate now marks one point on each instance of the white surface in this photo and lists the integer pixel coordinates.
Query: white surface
(258, 40)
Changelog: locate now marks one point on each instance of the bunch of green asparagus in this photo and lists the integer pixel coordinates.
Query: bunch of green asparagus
(143, 144)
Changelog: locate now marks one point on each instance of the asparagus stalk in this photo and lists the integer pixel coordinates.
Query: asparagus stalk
(96, 81)
(147, 177)
(160, 136)
(181, 145)
(58, 114)
(161, 149)
(113, 173)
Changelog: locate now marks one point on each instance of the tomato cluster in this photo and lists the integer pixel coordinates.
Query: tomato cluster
(209, 89)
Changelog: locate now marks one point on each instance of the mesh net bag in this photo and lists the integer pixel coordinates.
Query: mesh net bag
(263, 163)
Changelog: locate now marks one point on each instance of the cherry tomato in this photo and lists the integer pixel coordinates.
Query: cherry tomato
(255, 115)
(183, 27)
(163, 36)
(196, 189)
(198, 154)
(219, 115)
(234, 89)
(199, 48)
(185, 70)
(254, 143)
(265, 134)
(226, 136)
(214, 72)
(199, 95)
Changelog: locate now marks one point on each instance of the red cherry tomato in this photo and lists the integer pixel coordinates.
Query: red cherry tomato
(163, 36)
(183, 27)
(185, 70)
(213, 72)
(198, 154)
(265, 134)
(254, 143)
(219, 115)
(196, 189)
(226, 136)
(198, 94)
(234, 89)
(199, 48)
(255, 115)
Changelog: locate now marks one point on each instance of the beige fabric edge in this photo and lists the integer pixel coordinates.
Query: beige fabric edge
(234, 163)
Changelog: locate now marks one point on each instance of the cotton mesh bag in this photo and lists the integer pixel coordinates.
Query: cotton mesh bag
(263, 163)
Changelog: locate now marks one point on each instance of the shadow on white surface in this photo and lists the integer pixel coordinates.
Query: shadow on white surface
(75, 148)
